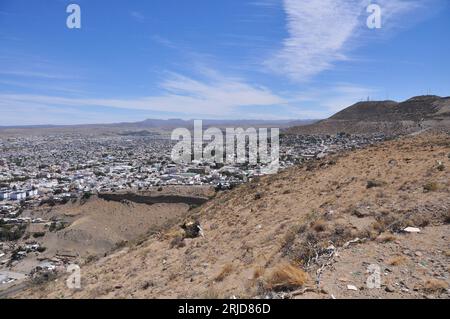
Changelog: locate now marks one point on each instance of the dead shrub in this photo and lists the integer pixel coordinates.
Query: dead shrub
(290, 236)
(341, 234)
(286, 277)
(301, 252)
(418, 220)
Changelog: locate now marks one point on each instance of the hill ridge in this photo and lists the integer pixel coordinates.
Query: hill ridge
(390, 117)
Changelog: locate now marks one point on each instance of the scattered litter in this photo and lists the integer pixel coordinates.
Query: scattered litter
(200, 231)
(351, 287)
(411, 230)
(404, 290)
(351, 242)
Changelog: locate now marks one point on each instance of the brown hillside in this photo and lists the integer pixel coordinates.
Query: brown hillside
(390, 117)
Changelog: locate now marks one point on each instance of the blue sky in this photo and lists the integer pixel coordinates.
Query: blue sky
(204, 59)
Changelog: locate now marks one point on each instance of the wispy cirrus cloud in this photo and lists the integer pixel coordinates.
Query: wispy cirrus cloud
(322, 33)
(138, 16)
(36, 74)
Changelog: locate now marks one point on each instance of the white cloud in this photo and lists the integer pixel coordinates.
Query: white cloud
(322, 32)
(138, 16)
(33, 74)
(215, 96)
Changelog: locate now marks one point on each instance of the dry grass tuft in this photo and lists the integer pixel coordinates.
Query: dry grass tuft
(224, 273)
(258, 272)
(386, 238)
(435, 285)
(319, 226)
(378, 226)
(287, 276)
(431, 187)
(397, 261)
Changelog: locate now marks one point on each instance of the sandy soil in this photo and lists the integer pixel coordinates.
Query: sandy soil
(97, 227)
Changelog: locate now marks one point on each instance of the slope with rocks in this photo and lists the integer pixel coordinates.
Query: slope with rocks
(309, 231)
(390, 117)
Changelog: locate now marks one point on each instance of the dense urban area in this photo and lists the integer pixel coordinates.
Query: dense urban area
(56, 169)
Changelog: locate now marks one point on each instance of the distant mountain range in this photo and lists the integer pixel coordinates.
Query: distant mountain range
(175, 123)
(415, 114)
(390, 117)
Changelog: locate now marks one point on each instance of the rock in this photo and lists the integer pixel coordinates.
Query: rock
(393, 162)
(147, 285)
(418, 254)
(324, 290)
(411, 230)
(361, 213)
(389, 288)
(192, 229)
(351, 287)
(404, 290)
(374, 183)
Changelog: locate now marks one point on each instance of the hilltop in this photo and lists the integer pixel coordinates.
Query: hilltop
(390, 117)
(310, 231)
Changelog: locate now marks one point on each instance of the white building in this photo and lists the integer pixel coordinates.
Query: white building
(5, 195)
(32, 192)
(20, 195)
